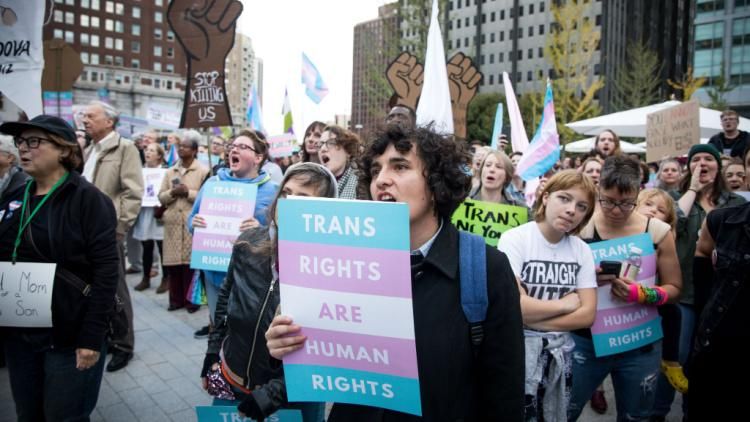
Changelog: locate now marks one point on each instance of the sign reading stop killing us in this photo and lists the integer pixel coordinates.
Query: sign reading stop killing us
(224, 206)
(26, 294)
(345, 278)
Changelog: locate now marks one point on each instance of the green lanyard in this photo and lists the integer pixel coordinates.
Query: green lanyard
(22, 224)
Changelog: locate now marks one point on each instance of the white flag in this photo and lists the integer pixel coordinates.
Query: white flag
(435, 101)
(21, 54)
(518, 138)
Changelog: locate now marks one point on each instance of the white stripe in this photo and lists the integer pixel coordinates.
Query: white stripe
(221, 225)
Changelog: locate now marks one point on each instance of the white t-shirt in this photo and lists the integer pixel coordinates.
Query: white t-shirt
(548, 270)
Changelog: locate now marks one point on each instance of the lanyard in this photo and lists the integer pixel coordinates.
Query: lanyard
(23, 224)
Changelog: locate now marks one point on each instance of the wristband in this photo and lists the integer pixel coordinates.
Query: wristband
(634, 293)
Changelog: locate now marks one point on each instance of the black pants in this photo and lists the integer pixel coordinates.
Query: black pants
(671, 323)
(148, 257)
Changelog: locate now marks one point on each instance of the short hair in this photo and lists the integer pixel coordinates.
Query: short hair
(728, 112)
(260, 146)
(671, 210)
(590, 160)
(310, 128)
(446, 163)
(564, 180)
(617, 150)
(194, 137)
(507, 166)
(734, 161)
(159, 150)
(7, 145)
(74, 158)
(513, 154)
(622, 173)
(348, 140)
(109, 110)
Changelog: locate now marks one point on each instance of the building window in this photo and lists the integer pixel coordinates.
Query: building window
(135, 46)
(541, 28)
(170, 35)
(108, 60)
(157, 83)
(158, 17)
(481, 59)
(109, 42)
(94, 22)
(531, 31)
(118, 44)
(466, 22)
(118, 77)
(541, 7)
(458, 43)
(492, 79)
(502, 36)
(70, 2)
(528, 76)
(458, 23)
(531, 9)
(500, 57)
(135, 29)
(84, 75)
(70, 37)
(157, 66)
(169, 84)
(119, 62)
(709, 8)
(170, 68)
(492, 58)
(170, 52)
(135, 63)
(94, 40)
(94, 58)
(159, 2)
(85, 4)
(740, 66)
(520, 54)
(483, 39)
(492, 37)
(136, 12)
(58, 34)
(119, 27)
(95, 4)
(541, 52)
(530, 53)
(157, 33)
(85, 20)
(109, 25)
(70, 18)
(109, 7)
(84, 38)
(708, 50)
(157, 50)
(119, 9)
(466, 41)
(59, 16)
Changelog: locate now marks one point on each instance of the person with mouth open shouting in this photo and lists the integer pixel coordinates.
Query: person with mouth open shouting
(496, 173)
(426, 171)
(337, 149)
(607, 144)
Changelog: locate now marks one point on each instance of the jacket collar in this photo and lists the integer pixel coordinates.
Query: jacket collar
(742, 216)
(443, 254)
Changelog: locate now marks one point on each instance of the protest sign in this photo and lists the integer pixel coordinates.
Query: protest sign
(207, 161)
(281, 145)
(224, 206)
(621, 326)
(152, 178)
(26, 294)
(671, 132)
(162, 116)
(488, 219)
(345, 277)
(230, 413)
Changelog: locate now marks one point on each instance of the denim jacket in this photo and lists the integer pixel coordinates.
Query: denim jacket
(730, 229)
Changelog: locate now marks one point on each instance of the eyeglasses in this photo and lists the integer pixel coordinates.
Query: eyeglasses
(242, 147)
(217, 144)
(329, 143)
(32, 141)
(624, 206)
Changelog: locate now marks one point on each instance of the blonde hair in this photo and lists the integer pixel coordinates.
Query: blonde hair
(507, 166)
(671, 210)
(567, 179)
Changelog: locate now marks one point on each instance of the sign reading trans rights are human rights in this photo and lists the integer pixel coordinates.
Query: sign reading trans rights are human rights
(224, 206)
(345, 278)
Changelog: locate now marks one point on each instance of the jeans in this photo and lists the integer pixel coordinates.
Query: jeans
(212, 297)
(45, 382)
(664, 390)
(634, 374)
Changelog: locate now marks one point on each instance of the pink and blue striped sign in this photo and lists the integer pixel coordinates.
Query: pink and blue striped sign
(621, 326)
(224, 206)
(345, 277)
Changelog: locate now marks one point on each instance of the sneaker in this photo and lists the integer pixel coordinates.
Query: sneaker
(676, 377)
(202, 333)
(599, 402)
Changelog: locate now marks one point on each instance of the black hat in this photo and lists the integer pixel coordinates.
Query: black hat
(50, 124)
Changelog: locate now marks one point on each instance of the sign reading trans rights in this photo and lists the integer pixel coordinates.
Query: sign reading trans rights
(224, 206)
(621, 326)
(345, 277)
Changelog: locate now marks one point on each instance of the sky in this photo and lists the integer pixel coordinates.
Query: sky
(324, 29)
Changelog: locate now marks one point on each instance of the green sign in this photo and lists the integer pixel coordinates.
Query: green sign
(488, 219)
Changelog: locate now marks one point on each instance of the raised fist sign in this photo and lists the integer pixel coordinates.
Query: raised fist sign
(406, 74)
(205, 30)
(463, 81)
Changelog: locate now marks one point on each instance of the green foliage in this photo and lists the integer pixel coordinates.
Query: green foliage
(688, 84)
(480, 118)
(531, 104)
(637, 81)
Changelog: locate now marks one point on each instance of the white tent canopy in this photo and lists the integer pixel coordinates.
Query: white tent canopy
(586, 145)
(632, 123)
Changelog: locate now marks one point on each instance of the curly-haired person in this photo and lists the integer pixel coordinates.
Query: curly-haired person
(426, 171)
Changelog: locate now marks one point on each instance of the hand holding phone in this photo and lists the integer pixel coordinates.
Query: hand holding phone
(610, 268)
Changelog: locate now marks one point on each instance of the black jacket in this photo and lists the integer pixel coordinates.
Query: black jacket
(247, 302)
(738, 146)
(81, 226)
(17, 179)
(454, 385)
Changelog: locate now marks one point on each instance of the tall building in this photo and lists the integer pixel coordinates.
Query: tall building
(722, 43)
(240, 77)
(371, 57)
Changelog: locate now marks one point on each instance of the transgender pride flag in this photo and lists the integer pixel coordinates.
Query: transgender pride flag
(172, 157)
(544, 149)
(315, 88)
(254, 114)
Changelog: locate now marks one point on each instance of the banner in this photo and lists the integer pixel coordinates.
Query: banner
(345, 277)
(621, 326)
(488, 219)
(21, 54)
(281, 145)
(26, 294)
(162, 116)
(671, 132)
(152, 178)
(230, 413)
(224, 206)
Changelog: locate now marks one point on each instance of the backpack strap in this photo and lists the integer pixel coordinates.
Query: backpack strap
(473, 275)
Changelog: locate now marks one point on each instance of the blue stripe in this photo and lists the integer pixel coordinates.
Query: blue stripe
(213, 261)
(230, 190)
(389, 220)
(625, 340)
(541, 167)
(327, 384)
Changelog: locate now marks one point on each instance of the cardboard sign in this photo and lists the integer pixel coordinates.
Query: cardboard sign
(345, 277)
(671, 132)
(152, 178)
(281, 145)
(488, 219)
(231, 414)
(205, 30)
(224, 206)
(621, 326)
(26, 294)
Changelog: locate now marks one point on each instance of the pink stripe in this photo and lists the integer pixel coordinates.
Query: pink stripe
(212, 242)
(227, 207)
(393, 357)
(607, 320)
(393, 268)
(648, 267)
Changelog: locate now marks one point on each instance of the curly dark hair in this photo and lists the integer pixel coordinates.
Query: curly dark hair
(348, 140)
(446, 164)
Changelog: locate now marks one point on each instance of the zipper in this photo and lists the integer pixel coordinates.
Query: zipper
(255, 333)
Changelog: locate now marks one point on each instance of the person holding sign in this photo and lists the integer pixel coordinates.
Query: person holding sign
(555, 272)
(60, 219)
(247, 301)
(337, 149)
(495, 174)
(631, 350)
(458, 379)
(247, 153)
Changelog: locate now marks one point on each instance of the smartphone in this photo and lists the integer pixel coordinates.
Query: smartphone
(610, 267)
(176, 181)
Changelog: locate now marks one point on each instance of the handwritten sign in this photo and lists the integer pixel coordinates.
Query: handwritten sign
(671, 132)
(224, 206)
(231, 414)
(345, 277)
(152, 178)
(281, 146)
(26, 294)
(621, 326)
(488, 219)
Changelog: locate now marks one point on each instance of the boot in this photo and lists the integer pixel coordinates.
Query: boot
(164, 286)
(144, 284)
